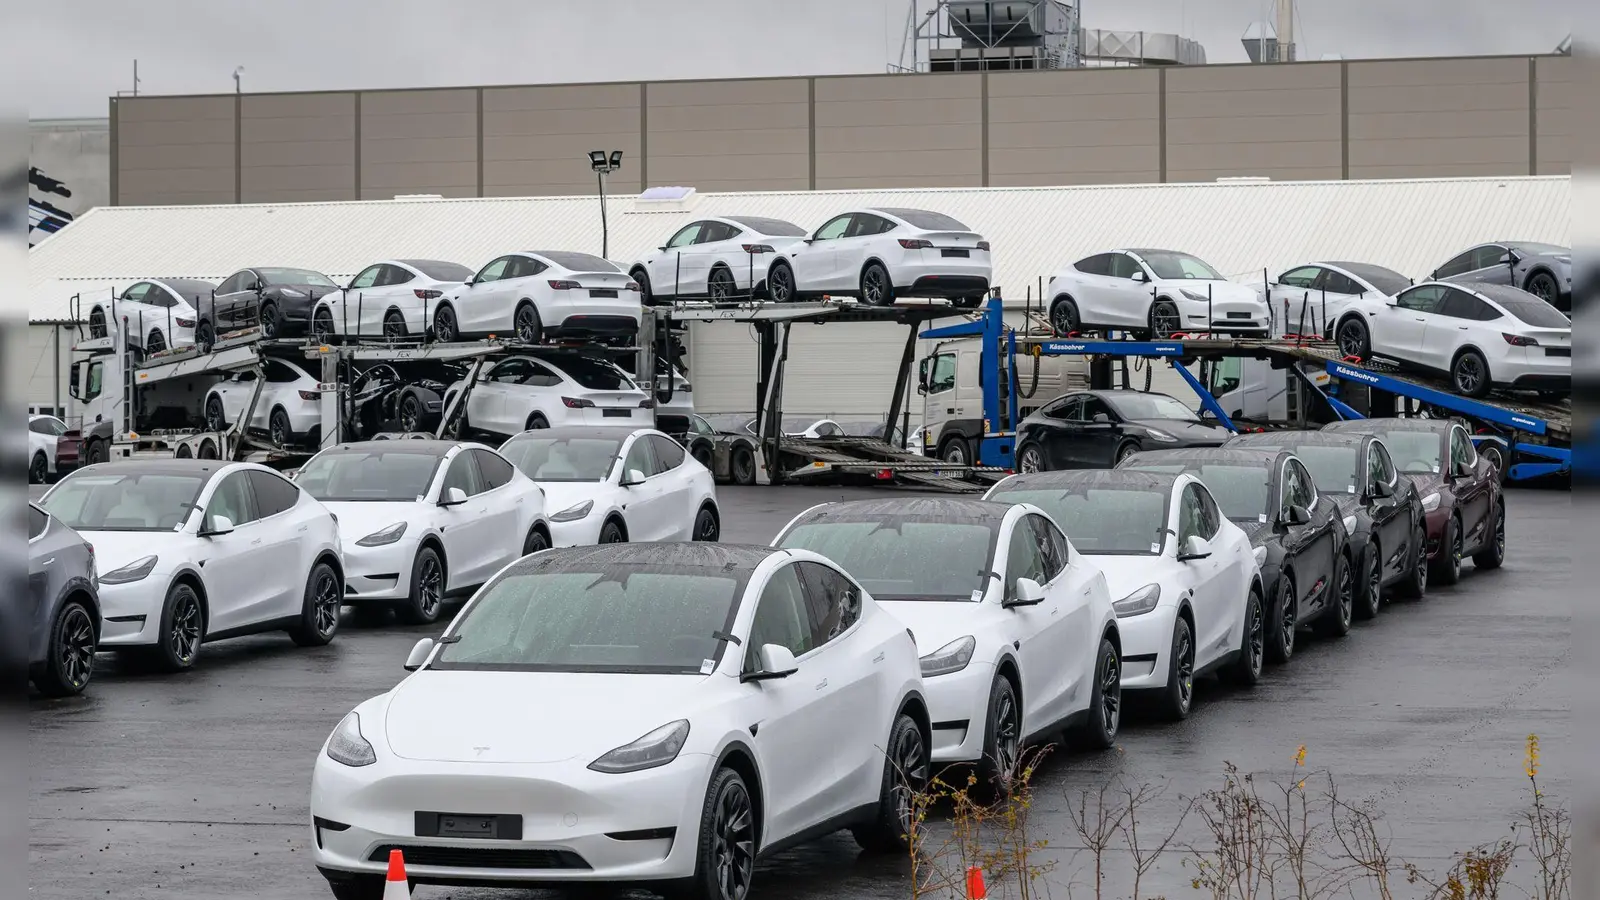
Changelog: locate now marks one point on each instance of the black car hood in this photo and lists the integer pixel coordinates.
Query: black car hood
(1192, 434)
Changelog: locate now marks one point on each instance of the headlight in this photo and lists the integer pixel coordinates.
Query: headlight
(1350, 523)
(1193, 295)
(1160, 436)
(382, 538)
(1139, 602)
(290, 292)
(1261, 556)
(131, 572)
(347, 746)
(573, 513)
(657, 748)
(952, 657)
(1430, 502)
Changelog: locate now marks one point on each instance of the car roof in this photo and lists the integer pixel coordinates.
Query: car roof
(179, 285)
(1154, 481)
(700, 554)
(1144, 250)
(421, 446)
(1491, 291)
(206, 467)
(609, 432)
(1239, 455)
(1274, 439)
(1121, 392)
(959, 508)
(1376, 426)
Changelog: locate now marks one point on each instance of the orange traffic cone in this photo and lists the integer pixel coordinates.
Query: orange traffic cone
(397, 888)
(975, 886)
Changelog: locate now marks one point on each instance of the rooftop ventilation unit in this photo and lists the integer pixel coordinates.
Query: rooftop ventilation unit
(664, 199)
(419, 196)
(989, 35)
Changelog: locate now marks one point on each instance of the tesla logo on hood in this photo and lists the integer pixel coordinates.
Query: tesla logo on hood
(480, 750)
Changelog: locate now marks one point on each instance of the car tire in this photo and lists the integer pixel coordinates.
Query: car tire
(38, 468)
(642, 279)
(182, 631)
(1493, 555)
(70, 664)
(322, 323)
(96, 451)
(1064, 318)
(208, 449)
(611, 532)
(410, 417)
(1494, 453)
(97, 323)
(720, 287)
(445, 328)
(781, 286)
(1031, 459)
(1542, 284)
(155, 342)
(536, 421)
(1245, 671)
(725, 849)
(1177, 698)
(905, 775)
(1354, 338)
(702, 454)
(1281, 622)
(183, 452)
(1369, 588)
(216, 415)
(1165, 320)
(1002, 736)
(526, 324)
(280, 428)
(1446, 568)
(876, 288)
(1099, 731)
(953, 450)
(707, 525)
(271, 323)
(742, 465)
(320, 608)
(1469, 374)
(1123, 452)
(1336, 620)
(1415, 585)
(426, 600)
(394, 324)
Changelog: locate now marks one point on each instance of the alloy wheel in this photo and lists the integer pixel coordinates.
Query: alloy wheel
(908, 775)
(322, 323)
(155, 343)
(1286, 620)
(394, 326)
(1029, 463)
(1062, 320)
(872, 288)
(430, 583)
(706, 526)
(1126, 452)
(733, 841)
(1457, 545)
(410, 413)
(444, 324)
(1347, 596)
(721, 286)
(269, 322)
(780, 284)
(956, 453)
(76, 652)
(38, 469)
(1007, 740)
(185, 633)
(527, 325)
(1374, 584)
(326, 601)
(1469, 374)
(1111, 693)
(280, 429)
(1352, 339)
(1164, 320)
(1256, 642)
(1185, 669)
(1500, 534)
(1543, 287)
(215, 420)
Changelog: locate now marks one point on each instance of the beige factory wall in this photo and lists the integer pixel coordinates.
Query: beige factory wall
(296, 147)
(1315, 120)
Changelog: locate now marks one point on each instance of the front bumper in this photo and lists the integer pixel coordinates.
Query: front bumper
(130, 614)
(577, 825)
(1438, 522)
(378, 573)
(582, 533)
(958, 707)
(1147, 649)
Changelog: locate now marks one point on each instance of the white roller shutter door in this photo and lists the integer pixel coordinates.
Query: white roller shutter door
(844, 371)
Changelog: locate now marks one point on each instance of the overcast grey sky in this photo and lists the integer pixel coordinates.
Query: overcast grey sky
(193, 46)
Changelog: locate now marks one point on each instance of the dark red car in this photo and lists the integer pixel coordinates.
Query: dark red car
(1461, 498)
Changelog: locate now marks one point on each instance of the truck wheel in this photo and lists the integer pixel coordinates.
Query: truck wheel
(742, 465)
(96, 452)
(954, 450)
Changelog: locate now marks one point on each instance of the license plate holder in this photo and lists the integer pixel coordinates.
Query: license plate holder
(963, 254)
(602, 292)
(616, 413)
(470, 826)
(1558, 351)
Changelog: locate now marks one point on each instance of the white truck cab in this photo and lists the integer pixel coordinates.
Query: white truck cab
(949, 380)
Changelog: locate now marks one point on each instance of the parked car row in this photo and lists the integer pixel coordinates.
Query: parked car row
(871, 643)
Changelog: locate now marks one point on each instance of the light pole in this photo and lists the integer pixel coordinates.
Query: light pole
(604, 165)
(237, 88)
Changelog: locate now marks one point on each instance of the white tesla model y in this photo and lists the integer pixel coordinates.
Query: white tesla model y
(878, 255)
(654, 714)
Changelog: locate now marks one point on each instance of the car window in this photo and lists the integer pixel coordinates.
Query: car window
(1124, 266)
(494, 271)
(701, 426)
(233, 498)
(669, 454)
(1531, 310)
(1335, 283)
(279, 372)
(511, 371)
(37, 520)
(1424, 299)
(40, 426)
(540, 375)
(1191, 519)
(494, 470)
(926, 220)
(1227, 374)
(1303, 277)
(1462, 305)
(1099, 264)
(833, 228)
(463, 474)
(1486, 257)
(1287, 490)
(833, 604)
(229, 284)
(135, 292)
(1067, 409)
(1051, 551)
(393, 275)
(640, 458)
(1380, 469)
(686, 235)
(1462, 453)
(1210, 515)
(274, 494)
(863, 225)
(597, 375)
(1455, 266)
(367, 278)
(1024, 559)
(782, 618)
(440, 270)
(1305, 488)
(1094, 406)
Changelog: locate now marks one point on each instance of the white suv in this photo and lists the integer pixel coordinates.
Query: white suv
(520, 393)
(879, 255)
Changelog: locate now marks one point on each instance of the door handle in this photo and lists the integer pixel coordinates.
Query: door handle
(822, 684)
(255, 542)
(53, 559)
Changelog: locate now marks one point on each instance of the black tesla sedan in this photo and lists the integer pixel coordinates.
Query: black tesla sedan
(1298, 535)
(279, 300)
(1098, 429)
(1382, 509)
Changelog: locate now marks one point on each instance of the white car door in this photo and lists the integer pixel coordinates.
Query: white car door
(1212, 580)
(503, 505)
(235, 392)
(482, 302)
(1043, 644)
(855, 681)
(813, 262)
(358, 309)
(1089, 284)
(1460, 318)
(286, 536)
(488, 401)
(242, 583)
(1397, 330)
(648, 506)
(1071, 584)
(468, 532)
(851, 251)
(1130, 291)
(666, 265)
(695, 274)
(1292, 289)
(678, 488)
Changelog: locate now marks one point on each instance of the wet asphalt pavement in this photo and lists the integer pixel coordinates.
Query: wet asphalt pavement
(195, 787)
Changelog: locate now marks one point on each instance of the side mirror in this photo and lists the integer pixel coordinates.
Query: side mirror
(1102, 419)
(1029, 593)
(1195, 547)
(453, 497)
(1510, 257)
(1298, 515)
(219, 525)
(662, 248)
(1382, 490)
(633, 477)
(419, 654)
(1139, 276)
(776, 662)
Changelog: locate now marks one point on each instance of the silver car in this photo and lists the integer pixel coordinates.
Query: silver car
(1544, 270)
(63, 588)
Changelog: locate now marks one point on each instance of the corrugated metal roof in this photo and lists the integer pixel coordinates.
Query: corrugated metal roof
(1408, 225)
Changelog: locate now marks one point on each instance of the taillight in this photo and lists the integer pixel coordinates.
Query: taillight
(308, 395)
(184, 323)
(984, 246)
(884, 474)
(577, 403)
(915, 243)
(757, 248)
(565, 286)
(1517, 340)
(427, 295)
(632, 286)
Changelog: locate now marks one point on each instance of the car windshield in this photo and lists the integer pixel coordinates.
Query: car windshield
(113, 501)
(1532, 311)
(1103, 520)
(562, 459)
(295, 276)
(1181, 266)
(597, 376)
(1334, 469)
(374, 475)
(1388, 281)
(903, 558)
(1136, 405)
(440, 271)
(1414, 452)
(1538, 249)
(580, 262)
(1240, 489)
(770, 227)
(645, 619)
